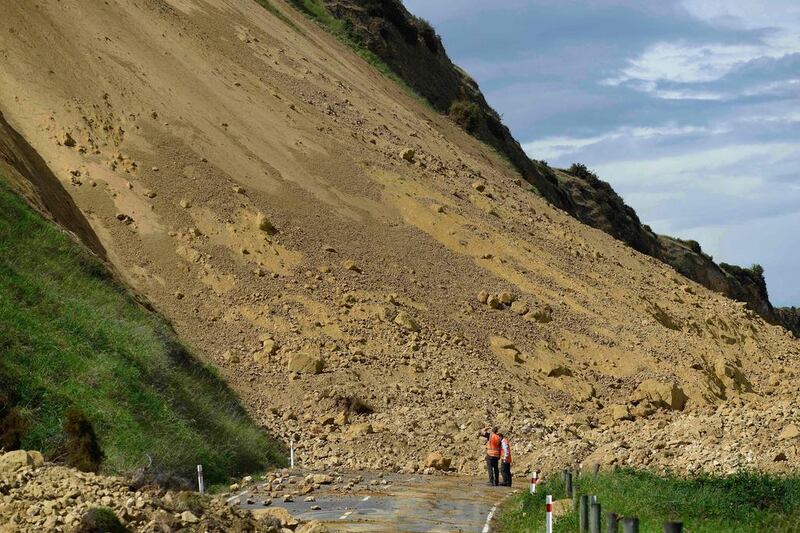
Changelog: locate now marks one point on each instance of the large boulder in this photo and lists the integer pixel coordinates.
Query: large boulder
(661, 394)
(12, 461)
(437, 461)
(306, 362)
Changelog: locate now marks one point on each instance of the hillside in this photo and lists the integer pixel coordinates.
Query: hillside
(413, 51)
(71, 338)
(371, 279)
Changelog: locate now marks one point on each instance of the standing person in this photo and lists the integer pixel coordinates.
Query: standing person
(505, 460)
(492, 453)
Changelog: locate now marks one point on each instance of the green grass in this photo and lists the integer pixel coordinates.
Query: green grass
(70, 336)
(346, 33)
(744, 502)
(269, 6)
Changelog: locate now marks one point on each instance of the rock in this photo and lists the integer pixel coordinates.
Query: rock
(322, 479)
(729, 373)
(542, 315)
(503, 348)
(351, 265)
(408, 154)
(37, 458)
(314, 526)
(780, 457)
(187, 517)
(478, 186)
(494, 302)
(552, 368)
(264, 224)
(437, 461)
(789, 432)
(506, 298)
(238, 190)
(12, 461)
(341, 419)
(306, 362)
(620, 412)
(483, 296)
(279, 514)
(358, 430)
(519, 307)
(662, 395)
(405, 321)
(184, 203)
(149, 193)
(67, 140)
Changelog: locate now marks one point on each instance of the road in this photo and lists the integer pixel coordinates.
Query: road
(406, 504)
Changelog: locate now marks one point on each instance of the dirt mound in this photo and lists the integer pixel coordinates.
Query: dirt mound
(318, 234)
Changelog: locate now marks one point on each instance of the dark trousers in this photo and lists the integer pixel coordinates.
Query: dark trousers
(492, 467)
(505, 471)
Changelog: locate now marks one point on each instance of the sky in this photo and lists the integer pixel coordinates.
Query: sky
(689, 108)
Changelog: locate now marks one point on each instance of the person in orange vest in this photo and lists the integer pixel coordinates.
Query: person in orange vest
(492, 453)
(505, 460)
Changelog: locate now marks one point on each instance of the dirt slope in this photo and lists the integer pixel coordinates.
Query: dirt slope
(252, 180)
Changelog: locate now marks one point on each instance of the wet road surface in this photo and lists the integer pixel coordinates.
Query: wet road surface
(407, 504)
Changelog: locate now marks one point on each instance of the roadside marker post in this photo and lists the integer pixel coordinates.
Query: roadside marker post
(291, 453)
(594, 517)
(673, 527)
(630, 525)
(583, 514)
(534, 481)
(200, 485)
(612, 524)
(568, 485)
(548, 514)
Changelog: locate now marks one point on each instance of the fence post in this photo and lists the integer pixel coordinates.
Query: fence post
(201, 488)
(673, 527)
(548, 514)
(583, 516)
(630, 525)
(612, 523)
(568, 485)
(594, 518)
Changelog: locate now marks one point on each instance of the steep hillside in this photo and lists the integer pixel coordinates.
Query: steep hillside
(412, 50)
(72, 339)
(372, 280)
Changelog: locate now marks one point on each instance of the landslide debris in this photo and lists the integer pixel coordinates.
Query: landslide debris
(378, 258)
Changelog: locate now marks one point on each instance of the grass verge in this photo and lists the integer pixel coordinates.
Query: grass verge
(740, 503)
(71, 337)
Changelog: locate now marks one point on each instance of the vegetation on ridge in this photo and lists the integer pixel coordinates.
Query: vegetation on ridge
(72, 338)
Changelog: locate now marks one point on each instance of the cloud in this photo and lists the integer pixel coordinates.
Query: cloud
(553, 147)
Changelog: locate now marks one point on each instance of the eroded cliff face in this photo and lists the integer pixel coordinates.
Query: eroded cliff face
(413, 50)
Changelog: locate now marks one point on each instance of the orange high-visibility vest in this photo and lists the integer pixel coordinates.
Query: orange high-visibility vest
(507, 451)
(493, 445)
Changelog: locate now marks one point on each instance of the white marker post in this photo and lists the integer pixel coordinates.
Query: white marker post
(548, 507)
(534, 480)
(291, 453)
(200, 485)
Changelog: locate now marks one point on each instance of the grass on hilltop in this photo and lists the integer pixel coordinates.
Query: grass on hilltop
(71, 337)
(740, 503)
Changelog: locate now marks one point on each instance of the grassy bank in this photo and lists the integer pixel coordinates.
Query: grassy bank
(71, 337)
(744, 502)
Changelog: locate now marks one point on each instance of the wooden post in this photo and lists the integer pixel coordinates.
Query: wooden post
(630, 525)
(583, 516)
(612, 523)
(568, 485)
(673, 527)
(594, 518)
